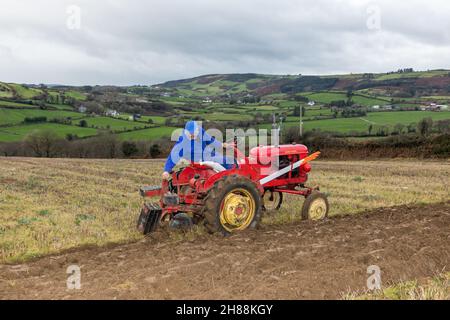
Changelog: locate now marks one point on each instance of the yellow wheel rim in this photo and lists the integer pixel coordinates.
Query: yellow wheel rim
(237, 210)
(271, 204)
(317, 209)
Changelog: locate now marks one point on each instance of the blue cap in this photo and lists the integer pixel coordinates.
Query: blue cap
(192, 127)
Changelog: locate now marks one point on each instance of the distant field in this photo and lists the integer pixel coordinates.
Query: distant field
(23, 92)
(16, 104)
(145, 119)
(111, 123)
(404, 117)
(147, 134)
(60, 107)
(17, 133)
(227, 117)
(5, 91)
(16, 116)
(328, 97)
(76, 95)
(260, 108)
(419, 74)
(377, 119)
(186, 102)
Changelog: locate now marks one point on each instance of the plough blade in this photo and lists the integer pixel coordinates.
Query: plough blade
(149, 218)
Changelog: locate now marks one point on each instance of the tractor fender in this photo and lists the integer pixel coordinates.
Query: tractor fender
(243, 170)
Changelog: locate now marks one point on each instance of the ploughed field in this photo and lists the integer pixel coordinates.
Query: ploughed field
(55, 213)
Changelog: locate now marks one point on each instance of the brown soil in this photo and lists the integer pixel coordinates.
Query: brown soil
(301, 261)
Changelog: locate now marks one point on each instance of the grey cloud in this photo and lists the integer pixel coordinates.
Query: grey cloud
(127, 42)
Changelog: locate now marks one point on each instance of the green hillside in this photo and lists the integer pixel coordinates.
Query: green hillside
(147, 134)
(16, 116)
(110, 123)
(342, 103)
(18, 133)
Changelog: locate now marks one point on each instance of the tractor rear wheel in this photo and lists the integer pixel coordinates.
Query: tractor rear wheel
(315, 206)
(232, 204)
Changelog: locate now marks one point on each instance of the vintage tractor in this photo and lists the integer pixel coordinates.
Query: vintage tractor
(228, 201)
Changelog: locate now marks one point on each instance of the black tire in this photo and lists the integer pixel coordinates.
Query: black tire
(321, 200)
(216, 196)
(280, 201)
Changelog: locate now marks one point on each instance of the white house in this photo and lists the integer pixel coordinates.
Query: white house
(82, 109)
(434, 107)
(311, 103)
(112, 113)
(377, 107)
(207, 100)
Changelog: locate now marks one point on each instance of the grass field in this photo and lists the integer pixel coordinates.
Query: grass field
(377, 119)
(435, 288)
(16, 116)
(76, 95)
(147, 134)
(328, 97)
(18, 133)
(48, 205)
(419, 74)
(227, 91)
(145, 119)
(5, 91)
(111, 123)
(16, 104)
(226, 117)
(24, 92)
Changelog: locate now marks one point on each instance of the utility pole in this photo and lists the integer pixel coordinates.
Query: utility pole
(276, 130)
(301, 120)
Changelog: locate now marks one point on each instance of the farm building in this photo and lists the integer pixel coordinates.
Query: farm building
(434, 107)
(112, 113)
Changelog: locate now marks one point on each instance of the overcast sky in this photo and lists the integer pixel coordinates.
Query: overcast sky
(125, 42)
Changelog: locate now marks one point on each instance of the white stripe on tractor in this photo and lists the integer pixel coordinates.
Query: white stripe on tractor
(279, 173)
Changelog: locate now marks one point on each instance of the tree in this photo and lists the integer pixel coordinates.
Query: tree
(411, 127)
(291, 134)
(129, 149)
(398, 128)
(42, 142)
(369, 130)
(443, 126)
(83, 123)
(155, 150)
(296, 112)
(424, 126)
(349, 97)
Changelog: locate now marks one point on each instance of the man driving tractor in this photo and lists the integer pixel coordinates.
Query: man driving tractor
(196, 145)
(223, 196)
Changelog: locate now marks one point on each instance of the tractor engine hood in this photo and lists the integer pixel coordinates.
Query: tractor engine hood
(266, 152)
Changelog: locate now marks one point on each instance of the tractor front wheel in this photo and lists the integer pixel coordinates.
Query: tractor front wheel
(315, 207)
(232, 204)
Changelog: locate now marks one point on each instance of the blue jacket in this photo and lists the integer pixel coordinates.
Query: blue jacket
(204, 148)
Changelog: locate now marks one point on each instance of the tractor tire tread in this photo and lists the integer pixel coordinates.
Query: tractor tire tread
(215, 196)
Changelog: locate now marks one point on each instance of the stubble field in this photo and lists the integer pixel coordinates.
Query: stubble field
(49, 205)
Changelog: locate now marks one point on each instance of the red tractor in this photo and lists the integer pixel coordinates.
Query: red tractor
(232, 200)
